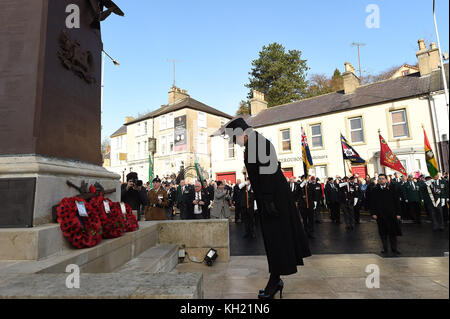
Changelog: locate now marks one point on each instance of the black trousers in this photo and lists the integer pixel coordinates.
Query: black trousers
(237, 213)
(356, 212)
(414, 211)
(308, 219)
(335, 211)
(405, 212)
(392, 241)
(248, 216)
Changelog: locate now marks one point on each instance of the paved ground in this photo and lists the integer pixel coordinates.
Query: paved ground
(417, 240)
(329, 276)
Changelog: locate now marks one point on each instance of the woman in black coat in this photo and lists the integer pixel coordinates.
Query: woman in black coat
(285, 241)
(386, 211)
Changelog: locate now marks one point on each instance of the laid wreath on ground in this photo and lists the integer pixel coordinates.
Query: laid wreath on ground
(80, 231)
(113, 222)
(131, 222)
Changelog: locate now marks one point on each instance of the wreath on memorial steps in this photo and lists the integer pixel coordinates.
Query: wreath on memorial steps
(80, 231)
(131, 222)
(113, 223)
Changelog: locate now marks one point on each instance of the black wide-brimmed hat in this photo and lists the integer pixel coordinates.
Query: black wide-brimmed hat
(238, 123)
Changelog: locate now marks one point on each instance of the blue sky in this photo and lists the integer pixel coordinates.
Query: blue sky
(216, 42)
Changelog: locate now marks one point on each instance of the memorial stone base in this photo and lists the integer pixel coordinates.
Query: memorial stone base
(31, 185)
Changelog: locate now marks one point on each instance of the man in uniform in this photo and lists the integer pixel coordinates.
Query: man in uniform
(247, 199)
(348, 200)
(158, 201)
(181, 199)
(304, 206)
(237, 202)
(332, 199)
(386, 211)
(411, 191)
(441, 185)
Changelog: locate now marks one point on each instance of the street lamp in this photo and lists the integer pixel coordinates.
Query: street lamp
(440, 55)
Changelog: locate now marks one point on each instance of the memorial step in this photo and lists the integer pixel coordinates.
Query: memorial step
(160, 258)
(103, 286)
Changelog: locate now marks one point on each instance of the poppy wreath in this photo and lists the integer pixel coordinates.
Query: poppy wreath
(113, 223)
(81, 232)
(131, 223)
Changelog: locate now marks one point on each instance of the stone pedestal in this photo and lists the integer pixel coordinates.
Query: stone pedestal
(49, 176)
(50, 113)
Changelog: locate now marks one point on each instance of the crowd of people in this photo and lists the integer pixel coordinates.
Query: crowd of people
(411, 196)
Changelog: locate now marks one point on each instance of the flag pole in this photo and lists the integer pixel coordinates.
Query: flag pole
(379, 133)
(343, 160)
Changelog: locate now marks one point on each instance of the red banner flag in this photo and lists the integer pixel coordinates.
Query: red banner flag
(388, 158)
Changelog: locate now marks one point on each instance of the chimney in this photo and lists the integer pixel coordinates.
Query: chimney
(128, 119)
(428, 59)
(351, 81)
(257, 103)
(177, 94)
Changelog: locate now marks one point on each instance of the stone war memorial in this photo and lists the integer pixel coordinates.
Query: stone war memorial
(50, 136)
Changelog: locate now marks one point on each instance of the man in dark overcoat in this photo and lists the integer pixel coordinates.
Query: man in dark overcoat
(386, 211)
(285, 240)
(332, 199)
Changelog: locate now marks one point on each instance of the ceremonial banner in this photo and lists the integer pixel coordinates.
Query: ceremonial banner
(389, 159)
(307, 160)
(349, 153)
(429, 157)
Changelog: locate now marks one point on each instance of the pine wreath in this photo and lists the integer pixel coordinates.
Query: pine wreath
(80, 231)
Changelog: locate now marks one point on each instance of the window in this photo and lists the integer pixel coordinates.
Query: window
(230, 148)
(201, 143)
(145, 148)
(399, 124)
(138, 148)
(316, 136)
(286, 140)
(356, 130)
(418, 165)
(162, 123)
(202, 119)
(169, 120)
(162, 149)
(321, 172)
(406, 72)
(145, 127)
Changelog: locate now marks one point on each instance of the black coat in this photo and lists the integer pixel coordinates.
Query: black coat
(285, 241)
(386, 206)
(331, 194)
(133, 197)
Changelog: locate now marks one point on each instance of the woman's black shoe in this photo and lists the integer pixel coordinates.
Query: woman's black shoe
(267, 295)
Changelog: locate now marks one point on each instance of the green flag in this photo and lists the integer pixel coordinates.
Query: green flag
(150, 169)
(198, 169)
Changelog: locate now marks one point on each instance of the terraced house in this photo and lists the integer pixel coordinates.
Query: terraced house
(173, 135)
(398, 107)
